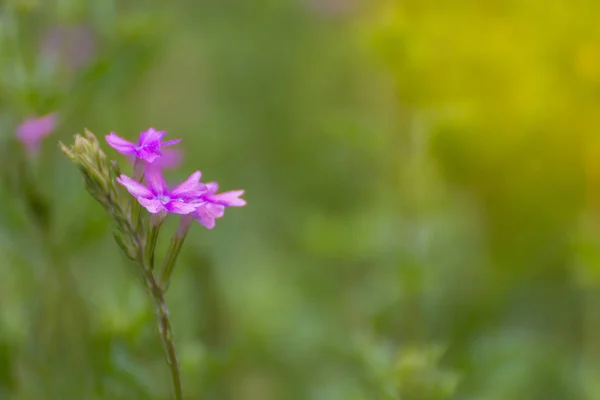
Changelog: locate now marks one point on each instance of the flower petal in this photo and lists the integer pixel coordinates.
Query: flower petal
(204, 218)
(120, 144)
(151, 135)
(214, 210)
(170, 142)
(207, 222)
(134, 187)
(189, 188)
(154, 206)
(148, 155)
(170, 159)
(34, 128)
(228, 199)
(180, 207)
(212, 187)
(155, 179)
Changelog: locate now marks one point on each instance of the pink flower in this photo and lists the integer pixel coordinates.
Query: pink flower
(211, 205)
(148, 147)
(157, 198)
(34, 129)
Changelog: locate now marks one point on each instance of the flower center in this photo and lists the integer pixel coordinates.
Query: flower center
(164, 198)
(151, 147)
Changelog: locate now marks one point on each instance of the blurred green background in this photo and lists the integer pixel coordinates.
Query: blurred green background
(423, 187)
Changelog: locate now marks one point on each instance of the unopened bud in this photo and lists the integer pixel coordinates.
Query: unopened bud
(100, 180)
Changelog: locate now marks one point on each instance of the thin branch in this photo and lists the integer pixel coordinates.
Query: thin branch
(164, 326)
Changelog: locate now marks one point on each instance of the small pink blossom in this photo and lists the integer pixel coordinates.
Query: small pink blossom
(148, 148)
(157, 198)
(211, 205)
(34, 129)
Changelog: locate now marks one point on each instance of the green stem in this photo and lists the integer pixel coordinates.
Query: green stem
(165, 329)
(152, 238)
(145, 260)
(170, 260)
(164, 324)
(136, 214)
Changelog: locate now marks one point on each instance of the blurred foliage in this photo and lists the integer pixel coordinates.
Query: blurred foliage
(420, 175)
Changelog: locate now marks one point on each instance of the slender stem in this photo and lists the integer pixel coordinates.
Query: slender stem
(164, 324)
(170, 260)
(166, 332)
(145, 259)
(174, 248)
(154, 225)
(136, 216)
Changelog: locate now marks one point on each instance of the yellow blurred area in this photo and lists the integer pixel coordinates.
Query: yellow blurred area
(512, 88)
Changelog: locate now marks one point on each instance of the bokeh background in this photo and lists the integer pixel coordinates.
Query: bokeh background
(423, 187)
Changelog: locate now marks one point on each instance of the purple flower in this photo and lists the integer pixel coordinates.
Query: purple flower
(148, 147)
(157, 198)
(34, 129)
(211, 205)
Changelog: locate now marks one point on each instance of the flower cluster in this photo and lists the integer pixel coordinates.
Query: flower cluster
(138, 236)
(191, 197)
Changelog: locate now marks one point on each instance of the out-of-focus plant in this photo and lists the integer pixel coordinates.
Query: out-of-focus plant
(508, 91)
(419, 376)
(43, 71)
(137, 234)
(412, 372)
(56, 60)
